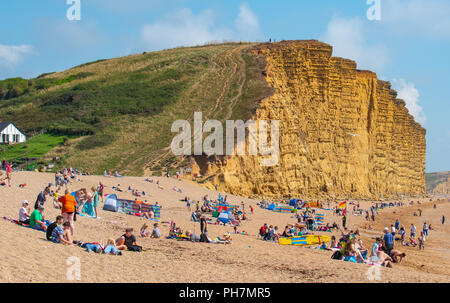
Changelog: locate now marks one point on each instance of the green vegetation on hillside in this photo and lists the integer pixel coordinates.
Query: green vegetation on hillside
(119, 112)
(33, 149)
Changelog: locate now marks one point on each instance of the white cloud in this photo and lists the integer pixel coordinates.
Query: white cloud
(417, 16)
(247, 23)
(11, 55)
(409, 93)
(183, 28)
(348, 38)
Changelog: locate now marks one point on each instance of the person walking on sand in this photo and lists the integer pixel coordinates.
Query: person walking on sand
(100, 190)
(422, 241)
(425, 229)
(8, 173)
(68, 208)
(203, 229)
(397, 224)
(388, 241)
(413, 231)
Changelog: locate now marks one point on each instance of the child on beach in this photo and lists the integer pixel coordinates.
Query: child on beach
(111, 248)
(422, 241)
(144, 230)
(156, 233)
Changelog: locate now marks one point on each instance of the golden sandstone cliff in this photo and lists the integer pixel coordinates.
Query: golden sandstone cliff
(343, 132)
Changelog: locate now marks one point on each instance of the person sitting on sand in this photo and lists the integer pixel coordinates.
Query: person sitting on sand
(353, 251)
(37, 219)
(276, 235)
(192, 237)
(41, 198)
(149, 215)
(227, 236)
(333, 243)
(58, 221)
(287, 232)
(144, 230)
(156, 233)
(262, 231)
(111, 248)
(384, 259)
(128, 241)
(24, 213)
(56, 203)
(397, 256)
(62, 234)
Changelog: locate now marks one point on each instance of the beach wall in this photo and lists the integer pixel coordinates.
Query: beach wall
(343, 132)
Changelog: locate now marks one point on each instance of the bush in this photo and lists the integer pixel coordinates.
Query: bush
(94, 141)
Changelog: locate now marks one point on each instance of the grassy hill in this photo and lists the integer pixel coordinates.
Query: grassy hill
(116, 114)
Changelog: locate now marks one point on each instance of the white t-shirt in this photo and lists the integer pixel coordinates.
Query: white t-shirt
(22, 214)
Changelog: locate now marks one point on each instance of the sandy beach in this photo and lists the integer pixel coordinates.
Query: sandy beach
(28, 257)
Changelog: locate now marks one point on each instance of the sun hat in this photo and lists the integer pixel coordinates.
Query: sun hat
(25, 202)
(386, 229)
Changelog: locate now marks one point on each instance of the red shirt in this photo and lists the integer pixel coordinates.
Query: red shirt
(262, 230)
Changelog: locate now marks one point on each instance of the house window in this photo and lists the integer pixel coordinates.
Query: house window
(5, 138)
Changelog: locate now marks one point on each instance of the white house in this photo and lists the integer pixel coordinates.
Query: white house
(9, 134)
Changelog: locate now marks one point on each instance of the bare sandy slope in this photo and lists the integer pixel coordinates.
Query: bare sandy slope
(27, 257)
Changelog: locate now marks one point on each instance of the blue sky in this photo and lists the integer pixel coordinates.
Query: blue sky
(408, 46)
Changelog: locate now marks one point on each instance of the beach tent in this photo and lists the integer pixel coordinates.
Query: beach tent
(271, 207)
(111, 203)
(225, 217)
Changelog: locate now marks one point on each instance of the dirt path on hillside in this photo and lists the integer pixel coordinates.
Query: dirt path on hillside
(222, 74)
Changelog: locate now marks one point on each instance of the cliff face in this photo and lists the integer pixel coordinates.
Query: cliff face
(343, 132)
(438, 183)
(442, 188)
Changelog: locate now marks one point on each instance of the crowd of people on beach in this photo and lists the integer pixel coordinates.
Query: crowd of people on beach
(85, 202)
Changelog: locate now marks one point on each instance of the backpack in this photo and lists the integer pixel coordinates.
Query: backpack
(49, 231)
(135, 248)
(336, 255)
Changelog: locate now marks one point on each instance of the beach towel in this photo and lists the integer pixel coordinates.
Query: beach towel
(88, 209)
(25, 225)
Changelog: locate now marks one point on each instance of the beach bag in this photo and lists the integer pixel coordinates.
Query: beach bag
(203, 238)
(336, 255)
(135, 248)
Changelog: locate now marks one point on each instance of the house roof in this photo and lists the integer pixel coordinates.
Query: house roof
(4, 125)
